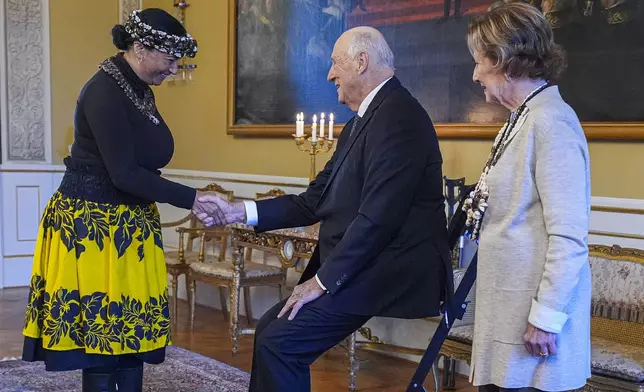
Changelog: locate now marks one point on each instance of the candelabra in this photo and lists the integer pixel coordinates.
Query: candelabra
(317, 143)
(185, 72)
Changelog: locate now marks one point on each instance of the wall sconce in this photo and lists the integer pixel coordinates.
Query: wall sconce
(186, 69)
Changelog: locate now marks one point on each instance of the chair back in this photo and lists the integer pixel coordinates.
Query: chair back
(452, 192)
(275, 192)
(618, 293)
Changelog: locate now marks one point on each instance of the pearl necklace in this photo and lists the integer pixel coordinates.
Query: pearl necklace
(476, 204)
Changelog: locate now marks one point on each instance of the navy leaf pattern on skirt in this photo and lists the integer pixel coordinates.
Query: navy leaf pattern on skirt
(78, 220)
(97, 321)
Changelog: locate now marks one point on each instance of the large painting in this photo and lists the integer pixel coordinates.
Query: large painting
(281, 51)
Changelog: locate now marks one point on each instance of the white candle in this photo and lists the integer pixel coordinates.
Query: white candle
(301, 123)
(314, 128)
(297, 124)
(331, 126)
(322, 126)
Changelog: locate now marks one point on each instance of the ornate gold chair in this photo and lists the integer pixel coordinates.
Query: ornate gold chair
(235, 277)
(617, 322)
(270, 194)
(178, 261)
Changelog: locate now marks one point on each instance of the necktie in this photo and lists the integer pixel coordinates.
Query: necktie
(354, 125)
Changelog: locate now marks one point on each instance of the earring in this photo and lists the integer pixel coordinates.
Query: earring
(139, 57)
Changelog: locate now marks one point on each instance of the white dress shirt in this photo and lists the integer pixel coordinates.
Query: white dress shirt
(251, 207)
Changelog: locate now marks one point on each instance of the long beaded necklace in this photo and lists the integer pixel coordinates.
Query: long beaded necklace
(476, 204)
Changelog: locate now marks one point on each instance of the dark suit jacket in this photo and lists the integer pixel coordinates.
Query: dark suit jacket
(382, 248)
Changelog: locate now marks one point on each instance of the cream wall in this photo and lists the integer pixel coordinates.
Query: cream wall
(197, 112)
(80, 40)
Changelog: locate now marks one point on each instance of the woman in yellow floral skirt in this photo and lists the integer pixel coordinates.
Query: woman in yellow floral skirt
(98, 298)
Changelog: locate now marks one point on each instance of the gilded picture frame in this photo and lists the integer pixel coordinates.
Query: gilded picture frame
(595, 130)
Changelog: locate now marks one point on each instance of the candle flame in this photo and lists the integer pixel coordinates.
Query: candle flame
(322, 116)
(315, 118)
(331, 117)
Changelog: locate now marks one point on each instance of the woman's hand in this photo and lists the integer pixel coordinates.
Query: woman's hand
(204, 210)
(540, 343)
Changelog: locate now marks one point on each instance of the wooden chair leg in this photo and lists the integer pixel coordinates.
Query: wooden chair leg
(280, 294)
(452, 375)
(353, 362)
(175, 299)
(235, 287)
(192, 290)
(234, 317)
(248, 307)
(188, 292)
(223, 299)
(449, 380)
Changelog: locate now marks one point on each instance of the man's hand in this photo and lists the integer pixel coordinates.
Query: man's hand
(302, 295)
(539, 342)
(212, 210)
(205, 210)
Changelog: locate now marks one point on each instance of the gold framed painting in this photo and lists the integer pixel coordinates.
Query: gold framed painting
(279, 57)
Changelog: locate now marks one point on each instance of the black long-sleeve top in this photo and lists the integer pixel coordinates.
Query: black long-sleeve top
(118, 150)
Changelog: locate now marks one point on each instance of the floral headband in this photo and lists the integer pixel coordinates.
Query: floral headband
(178, 46)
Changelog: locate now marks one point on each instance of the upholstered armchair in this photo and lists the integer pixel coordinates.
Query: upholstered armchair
(235, 277)
(177, 261)
(617, 323)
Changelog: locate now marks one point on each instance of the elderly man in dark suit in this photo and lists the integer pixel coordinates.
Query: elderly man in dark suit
(382, 247)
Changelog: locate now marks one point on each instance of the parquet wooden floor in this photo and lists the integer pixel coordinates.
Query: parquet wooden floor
(210, 338)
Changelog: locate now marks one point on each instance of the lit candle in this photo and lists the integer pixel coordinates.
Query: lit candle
(297, 124)
(301, 123)
(314, 128)
(322, 126)
(331, 126)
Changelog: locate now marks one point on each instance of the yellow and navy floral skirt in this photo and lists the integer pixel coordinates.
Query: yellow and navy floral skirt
(98, 286)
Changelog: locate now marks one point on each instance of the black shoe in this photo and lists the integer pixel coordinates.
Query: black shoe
(130, 379)
(99, 382)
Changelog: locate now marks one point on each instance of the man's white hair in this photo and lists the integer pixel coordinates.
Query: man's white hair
(371, 41)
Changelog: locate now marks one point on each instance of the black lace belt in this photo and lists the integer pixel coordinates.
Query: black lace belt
(97, 187)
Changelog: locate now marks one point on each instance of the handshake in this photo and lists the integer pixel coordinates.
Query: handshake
(212, 210)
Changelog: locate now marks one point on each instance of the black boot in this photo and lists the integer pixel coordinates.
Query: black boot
(130, 379)
(98, 382)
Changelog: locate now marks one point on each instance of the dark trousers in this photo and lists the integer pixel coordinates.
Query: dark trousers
(284, 350)
(124, 362)
(124, 375)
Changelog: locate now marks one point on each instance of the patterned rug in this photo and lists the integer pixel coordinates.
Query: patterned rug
(182, 371)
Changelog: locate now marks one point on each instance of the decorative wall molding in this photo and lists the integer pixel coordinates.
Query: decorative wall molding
(27, 127)
(126, 7)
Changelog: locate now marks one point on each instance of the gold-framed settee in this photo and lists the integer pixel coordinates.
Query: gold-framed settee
(617, 323)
